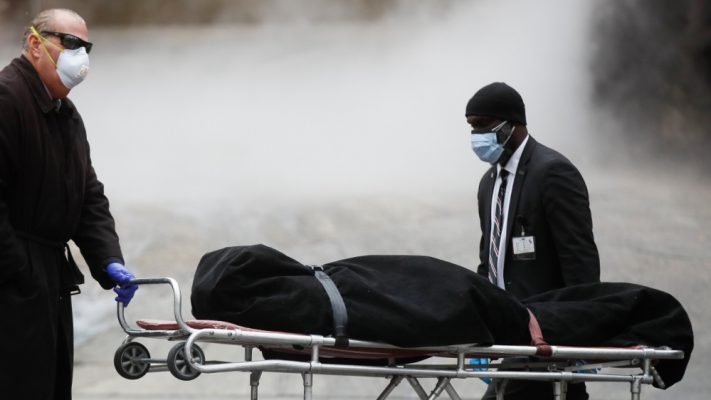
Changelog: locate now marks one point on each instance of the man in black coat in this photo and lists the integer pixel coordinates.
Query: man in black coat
(49, 194)
(534, 213)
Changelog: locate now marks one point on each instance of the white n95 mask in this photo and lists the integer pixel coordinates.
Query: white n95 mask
(72, 66)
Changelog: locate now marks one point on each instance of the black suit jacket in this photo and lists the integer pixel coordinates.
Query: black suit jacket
(550, 201)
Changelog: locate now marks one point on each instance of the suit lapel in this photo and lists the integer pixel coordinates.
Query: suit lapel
(486, 201)
(521, 174)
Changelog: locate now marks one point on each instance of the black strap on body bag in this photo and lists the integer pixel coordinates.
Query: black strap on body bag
(340, 314)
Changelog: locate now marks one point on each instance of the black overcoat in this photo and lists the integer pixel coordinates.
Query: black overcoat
(49, 194)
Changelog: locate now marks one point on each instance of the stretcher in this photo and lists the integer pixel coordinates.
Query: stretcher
(311, 355)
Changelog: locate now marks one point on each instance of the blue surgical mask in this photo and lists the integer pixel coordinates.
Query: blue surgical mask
(486, 145)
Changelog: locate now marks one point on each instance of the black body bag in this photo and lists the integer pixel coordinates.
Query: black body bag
(412, 301)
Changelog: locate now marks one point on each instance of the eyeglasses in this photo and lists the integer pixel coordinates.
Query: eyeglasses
(69, 41)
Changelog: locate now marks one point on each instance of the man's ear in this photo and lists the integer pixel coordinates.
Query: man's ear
(34, 44)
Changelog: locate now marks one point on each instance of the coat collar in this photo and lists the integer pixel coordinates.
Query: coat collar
(526, 155)
(522, 162)
(34, 82)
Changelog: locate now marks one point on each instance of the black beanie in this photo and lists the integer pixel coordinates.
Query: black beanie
(498, 100)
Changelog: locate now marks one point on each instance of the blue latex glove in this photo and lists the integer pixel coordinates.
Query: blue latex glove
(121, 276)
(586, 371)
(480, 361)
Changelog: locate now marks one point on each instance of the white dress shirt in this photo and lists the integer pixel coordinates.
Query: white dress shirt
(511, 166)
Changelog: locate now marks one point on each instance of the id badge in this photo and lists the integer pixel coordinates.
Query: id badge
(524, 248)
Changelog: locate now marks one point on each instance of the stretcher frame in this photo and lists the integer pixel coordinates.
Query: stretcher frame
(559, 365)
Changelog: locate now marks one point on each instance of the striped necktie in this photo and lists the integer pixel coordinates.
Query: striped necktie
(496, 231)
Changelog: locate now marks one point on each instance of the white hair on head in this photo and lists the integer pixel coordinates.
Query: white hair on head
(44, 21)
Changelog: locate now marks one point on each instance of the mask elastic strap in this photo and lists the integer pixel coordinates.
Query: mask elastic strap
(500, 126)
(513, 128)
(42, 40)
(507, 151)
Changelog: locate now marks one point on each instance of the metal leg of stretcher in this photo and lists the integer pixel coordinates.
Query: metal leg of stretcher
(254, 376)
(636, 388)
(394, 381)
(308, 384)
(560, 390)
(254, 384)
(417, 387)
(450, 391)
(439, 387)
(444, 384)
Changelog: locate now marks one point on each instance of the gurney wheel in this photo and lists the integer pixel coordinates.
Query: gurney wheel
(178, 364)
(129, 360)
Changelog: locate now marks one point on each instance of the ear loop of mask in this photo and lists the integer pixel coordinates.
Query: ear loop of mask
(501, 127)
(507, 151)
(42, 40)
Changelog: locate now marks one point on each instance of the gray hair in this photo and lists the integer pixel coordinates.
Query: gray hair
(44, 21)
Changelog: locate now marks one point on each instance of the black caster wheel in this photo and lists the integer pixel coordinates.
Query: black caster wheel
(178, 364)
(131, 360)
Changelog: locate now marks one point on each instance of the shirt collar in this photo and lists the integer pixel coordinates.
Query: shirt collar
(512, 165)
(56, 103)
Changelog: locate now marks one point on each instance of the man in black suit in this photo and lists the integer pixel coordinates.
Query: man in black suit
(534, 214)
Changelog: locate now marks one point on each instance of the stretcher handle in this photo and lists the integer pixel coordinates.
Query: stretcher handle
(177, 307)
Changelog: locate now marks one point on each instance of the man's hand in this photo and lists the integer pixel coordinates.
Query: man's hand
(121, 276)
